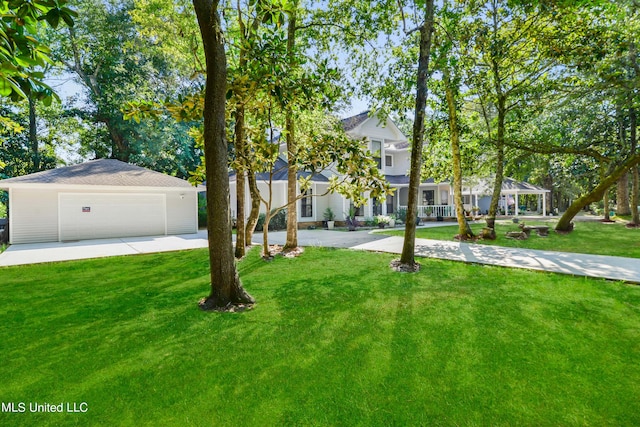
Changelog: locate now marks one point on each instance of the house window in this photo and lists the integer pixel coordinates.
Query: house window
(377, 207)
(388, 161)
(428, 197)
(376, 150)
(306, 204)
(466, 199)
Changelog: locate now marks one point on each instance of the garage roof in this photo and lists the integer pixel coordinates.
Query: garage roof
(102, 172)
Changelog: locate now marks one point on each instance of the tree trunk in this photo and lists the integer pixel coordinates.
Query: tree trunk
(33, 134)
(622, 196)
(564, 224)
(464, 230)
(635, 217)
(634, 192)
(241, 242)
(240, 184)
(605, 196)
(548, 185)
(497, 183)
(292, 149)
(254, 214)
(408, 248)
(226, 287)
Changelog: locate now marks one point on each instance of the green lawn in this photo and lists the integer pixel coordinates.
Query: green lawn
(336, 339)
(587, 237)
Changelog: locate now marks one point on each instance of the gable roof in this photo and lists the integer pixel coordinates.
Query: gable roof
(354, 125)
(509, 186)
(353, 122)
(521, 186)
(103, 172)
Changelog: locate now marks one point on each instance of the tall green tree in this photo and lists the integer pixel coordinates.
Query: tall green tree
(226, 287)
(426, 29)
(115, 62)
(508, 65)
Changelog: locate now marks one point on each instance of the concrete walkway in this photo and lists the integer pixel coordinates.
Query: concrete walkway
(608, 267)
(615, 268)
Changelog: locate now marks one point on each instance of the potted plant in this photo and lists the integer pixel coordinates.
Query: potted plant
(382, 220)
(329, 216)
(351, 221)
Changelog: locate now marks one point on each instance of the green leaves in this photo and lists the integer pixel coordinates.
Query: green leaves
(20, 50)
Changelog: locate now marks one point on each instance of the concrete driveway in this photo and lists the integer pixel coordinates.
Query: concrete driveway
(35, 253)
(65, 251)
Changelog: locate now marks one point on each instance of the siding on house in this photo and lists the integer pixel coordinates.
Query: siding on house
(51, 215)
(182, 212)
(33, 216)
(109, 214)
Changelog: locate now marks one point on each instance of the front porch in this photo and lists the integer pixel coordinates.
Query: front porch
(435, 211)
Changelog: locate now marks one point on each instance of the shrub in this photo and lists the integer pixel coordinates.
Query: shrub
(260, 223)
(402, 215)
(277, 222)
(202, 211)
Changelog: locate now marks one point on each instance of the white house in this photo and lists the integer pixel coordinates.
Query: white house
(383, 137)
(99, 199)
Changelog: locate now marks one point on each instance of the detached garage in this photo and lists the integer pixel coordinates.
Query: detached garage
(99, 199)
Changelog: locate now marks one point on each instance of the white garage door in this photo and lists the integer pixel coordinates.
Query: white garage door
(99, 216)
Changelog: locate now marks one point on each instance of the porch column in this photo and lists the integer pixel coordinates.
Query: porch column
(517, 205)
(544, 205)
(313, 199)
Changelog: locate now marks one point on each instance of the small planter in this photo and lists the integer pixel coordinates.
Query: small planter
(331, 225)
(392, 223)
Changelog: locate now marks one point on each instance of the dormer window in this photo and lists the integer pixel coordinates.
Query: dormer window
(376, 150)
(388, 161)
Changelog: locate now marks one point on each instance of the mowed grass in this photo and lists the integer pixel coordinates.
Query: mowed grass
(335, 339)
(589, 237)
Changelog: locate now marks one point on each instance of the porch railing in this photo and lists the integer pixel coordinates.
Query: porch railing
(435, 211)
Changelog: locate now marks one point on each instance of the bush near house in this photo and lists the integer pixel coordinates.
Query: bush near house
(278, 221)
(202, 211)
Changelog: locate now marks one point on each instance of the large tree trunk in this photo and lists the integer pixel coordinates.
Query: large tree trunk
(226, 288)
(464, 229)
(408, 249)
(564, 224)
(622, 195)
(292, 149)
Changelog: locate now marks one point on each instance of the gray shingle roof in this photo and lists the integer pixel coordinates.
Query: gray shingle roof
(281, 169)
(106, 172)
(354, 121)
(512, 184)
